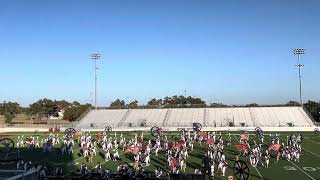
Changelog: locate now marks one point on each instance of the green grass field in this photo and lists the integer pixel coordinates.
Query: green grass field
(307, 168)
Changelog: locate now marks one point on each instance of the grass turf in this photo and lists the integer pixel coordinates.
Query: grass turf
(307, 168)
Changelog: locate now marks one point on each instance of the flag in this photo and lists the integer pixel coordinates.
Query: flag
(204, 135)
(133, 150)
(210, 141)
(178, 145)
(242, 147)
(85, 147)
(274, 147)
(244, 136)
(173, 163)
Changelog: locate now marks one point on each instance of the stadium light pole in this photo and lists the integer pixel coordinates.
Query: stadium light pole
(299, 52)
(95, 57)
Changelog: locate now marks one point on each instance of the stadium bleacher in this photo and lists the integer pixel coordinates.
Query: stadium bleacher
(152, 117)
(208, 117)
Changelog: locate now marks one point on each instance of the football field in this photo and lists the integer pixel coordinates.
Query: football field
(307, 168)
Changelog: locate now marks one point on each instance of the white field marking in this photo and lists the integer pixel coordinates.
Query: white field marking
(312, 141)
(78, 158)
(105, 162)
(73, 163)
(302, 171)
(111, 160)
(258, 172)
(236, 137)
(76, 149)
(69, 161)
(84, 156)
(311, 152)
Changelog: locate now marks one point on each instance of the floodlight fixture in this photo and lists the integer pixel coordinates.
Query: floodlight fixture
(299, 51)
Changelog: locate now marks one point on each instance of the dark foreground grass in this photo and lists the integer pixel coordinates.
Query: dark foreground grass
(307, 168)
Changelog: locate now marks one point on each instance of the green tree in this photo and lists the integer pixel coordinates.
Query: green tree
(181, 101)
(133, 104)
(9, 117)
(9, 107)
(73, 113)
(314, 109)
(293, 103)
(252, 105)
(218, 105)
(76, 103)
(9, 110)
(167, 100)
(155, 102)
(44, 107)
(118, 104)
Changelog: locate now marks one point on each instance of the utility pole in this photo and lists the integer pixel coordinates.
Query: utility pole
(95, 57)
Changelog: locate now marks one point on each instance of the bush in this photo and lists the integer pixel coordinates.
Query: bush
(9, 117)
(74, 112)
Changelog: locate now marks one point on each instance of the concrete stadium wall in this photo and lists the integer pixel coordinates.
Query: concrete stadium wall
(14, 129)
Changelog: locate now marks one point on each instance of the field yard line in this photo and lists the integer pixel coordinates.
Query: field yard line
(97, 153)
(112, 160)
(236, 137)
(84, 156)
(302, 171)
(312, 141)
(258, 172)
(78, 158)
(77, 149)
(105, 162)
(311, 152)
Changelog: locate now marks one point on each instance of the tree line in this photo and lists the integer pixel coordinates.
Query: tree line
(166, 102)
(44, 108)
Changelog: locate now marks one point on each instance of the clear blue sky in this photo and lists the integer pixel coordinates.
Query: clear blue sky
(235, 52)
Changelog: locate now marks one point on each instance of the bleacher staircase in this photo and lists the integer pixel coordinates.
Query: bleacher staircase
(123, 119)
